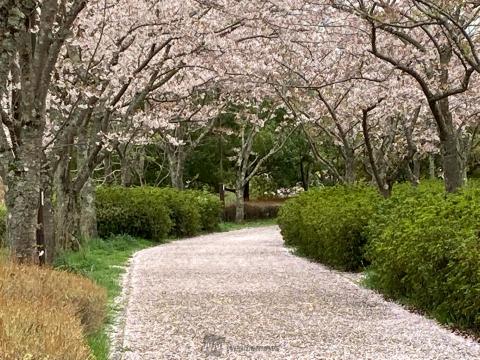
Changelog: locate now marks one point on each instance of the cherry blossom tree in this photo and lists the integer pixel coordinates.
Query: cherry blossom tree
(82, 79)
(121, 57)
(422, 51)
(104, 62)
(121, 54)
(178, 124)
(250, 119)
(31, 50)
(460, 21)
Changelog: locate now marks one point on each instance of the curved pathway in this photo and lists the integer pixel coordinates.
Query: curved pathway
(242, 295)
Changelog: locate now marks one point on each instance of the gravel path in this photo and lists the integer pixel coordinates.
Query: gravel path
(242, 295)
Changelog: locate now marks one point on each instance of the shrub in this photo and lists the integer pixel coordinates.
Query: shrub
(255, 210)
(191, 210)
(210, 209)
(184, 213)
(46, 313)
(289, 217)
(153, 213)
(131, 211)
(425, 250)
(327, 224)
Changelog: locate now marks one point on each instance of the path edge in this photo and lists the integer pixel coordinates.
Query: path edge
(116, 330)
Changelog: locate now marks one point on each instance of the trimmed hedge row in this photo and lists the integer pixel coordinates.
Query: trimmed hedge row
(327, 224)
(155, 213)
(421, 246)
(424, 248)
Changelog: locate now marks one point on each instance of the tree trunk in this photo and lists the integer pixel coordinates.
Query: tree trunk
(22, 205)
(349, 158)
(246, 191)
(416, 169)
(431, 166)
(23, 182)
(139, 165)
(176, 177)
(465, 173)
(49, 225)
(378, 170)
(65, 209)
(126, 172)
(176, 161)
(65, 222)
(86, 212)
(108, 169)
(450, 146)
(452, 163)
(304, 173)
(239, 205)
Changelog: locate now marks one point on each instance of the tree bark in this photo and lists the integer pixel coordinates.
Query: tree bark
(305, 175)
(449, 144)
(413, 170)
(65, 209)
(246, 191)
(108, 169)
(239, 204)
(65, 223)
(378, 174)
(349, 159)
(87, 212)
(49, 225)
(431, 166)
(23, 181)
(452, 163)
(126, 173)
(176, 161)
(139, 166)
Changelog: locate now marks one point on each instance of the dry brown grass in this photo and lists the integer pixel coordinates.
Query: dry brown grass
(45, 314)
(32, 330)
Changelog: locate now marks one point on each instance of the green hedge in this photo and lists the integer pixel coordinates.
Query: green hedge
(155, 213)
(184, 213)
(422, 245)
(327, 224)
(210, 209)
(424, 248)
(131, 211)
